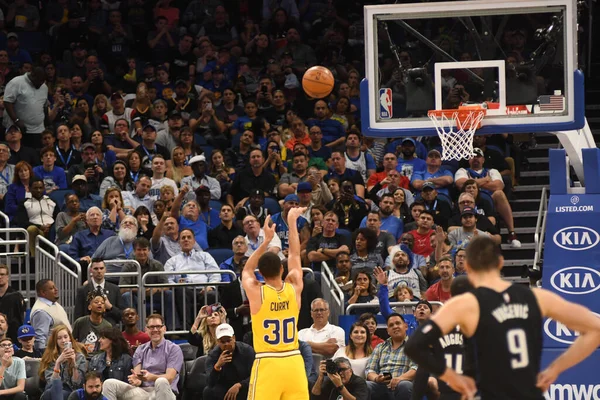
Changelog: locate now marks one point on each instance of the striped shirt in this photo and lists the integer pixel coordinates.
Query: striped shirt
(387, 360)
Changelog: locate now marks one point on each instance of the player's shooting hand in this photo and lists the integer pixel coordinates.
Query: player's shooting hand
(380, 275)
(269, 228)
(546, 378)
(294, 214)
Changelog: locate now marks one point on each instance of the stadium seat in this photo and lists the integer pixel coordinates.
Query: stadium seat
(216, 204)
(195, 381)
(220, 255)
(207, 151)
(344, 232)
(189, 351)
(58, 197)
(317, 358)
(272, 205)
(487, 198)
(199, 140)
(181, 381)
(32, 381)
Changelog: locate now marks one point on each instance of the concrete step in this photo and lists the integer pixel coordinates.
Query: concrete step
(518, 262)
(519, 231)
(531, 188)
(537, 160)
(524, 246)
(534, 174)
(526, 204)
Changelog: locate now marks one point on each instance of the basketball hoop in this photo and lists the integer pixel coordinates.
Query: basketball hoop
(456, 128)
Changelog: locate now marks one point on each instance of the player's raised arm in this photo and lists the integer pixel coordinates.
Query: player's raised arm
(575, 317)
(294, 263)
(249, 281)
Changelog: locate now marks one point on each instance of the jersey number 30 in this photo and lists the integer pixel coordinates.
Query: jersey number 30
(517, 346)
(280, 331)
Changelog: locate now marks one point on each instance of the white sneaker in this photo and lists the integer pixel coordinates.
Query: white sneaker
(514, 242)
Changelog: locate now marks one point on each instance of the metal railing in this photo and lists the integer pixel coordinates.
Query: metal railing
(68, 279)
(540, 230)
(332, 292)
(186, 317)
(45, 258)
(17, 257)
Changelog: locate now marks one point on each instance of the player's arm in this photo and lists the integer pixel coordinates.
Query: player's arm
(249, 282)
(294, 275)
(575, 317)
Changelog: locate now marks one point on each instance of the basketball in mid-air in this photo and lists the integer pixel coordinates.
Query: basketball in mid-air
(318, 82)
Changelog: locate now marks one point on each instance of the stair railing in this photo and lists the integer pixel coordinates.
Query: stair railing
(540, 230)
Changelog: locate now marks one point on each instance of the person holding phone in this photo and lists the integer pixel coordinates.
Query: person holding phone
(389, 371)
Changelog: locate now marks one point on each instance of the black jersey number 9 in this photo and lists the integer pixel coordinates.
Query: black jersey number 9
(517, 346)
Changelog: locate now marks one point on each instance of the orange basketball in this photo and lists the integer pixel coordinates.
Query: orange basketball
(318, 82)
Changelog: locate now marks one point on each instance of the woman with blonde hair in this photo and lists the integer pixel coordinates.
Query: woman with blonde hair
(63, 363)
(101, 106)
(179, 170)
(202, 333)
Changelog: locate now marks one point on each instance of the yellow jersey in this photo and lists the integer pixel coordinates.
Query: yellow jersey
(275, 325)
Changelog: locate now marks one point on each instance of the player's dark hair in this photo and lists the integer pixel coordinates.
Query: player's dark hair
(460, 285)
(392, 315)
(269, 265)
(483, 254)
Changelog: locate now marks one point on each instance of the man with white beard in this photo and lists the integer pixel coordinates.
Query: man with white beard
(118, 247)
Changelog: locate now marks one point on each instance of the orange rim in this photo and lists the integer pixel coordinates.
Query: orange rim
(460, 114)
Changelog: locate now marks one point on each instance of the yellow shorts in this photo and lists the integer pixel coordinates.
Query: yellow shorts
(278, 377)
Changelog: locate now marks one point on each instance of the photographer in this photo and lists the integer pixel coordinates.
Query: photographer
(89, 168)
(341, 381)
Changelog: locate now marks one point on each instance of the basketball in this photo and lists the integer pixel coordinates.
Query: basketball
(318, 82)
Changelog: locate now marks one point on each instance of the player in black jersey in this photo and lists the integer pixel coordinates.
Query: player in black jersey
(505, 321)
(453, 348)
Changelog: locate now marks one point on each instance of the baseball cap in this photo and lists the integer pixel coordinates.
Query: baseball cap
(428, 186)
(428, 304)
(291, 197)
(79, 178)
(257, 192)
(12, 35)
(162, 67)
(196, 159)
(411, 140)
(478, 152)
(435, 153)
(181, 82)
(175, 114)
(468, 211)
(149, 126)
(25, 331)
(224, 330)
(203, 188)
(86, 145)
(115, 96)
(14, 128)
(304, 186)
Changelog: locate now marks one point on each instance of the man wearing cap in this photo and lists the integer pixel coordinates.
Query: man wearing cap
(408, 162)
(12, 371)
(198, 165)
(17, 56)
(17, 151)
(86, 200)
(26, 336)
(403, 273)
(489, 181)
(209, 215)
(169, 138)
(25, 100)
(107, 125)
(228, 367)
(441, 208)
(218, 84)
(149, 148)
(461, 237)
(181, 102)
(483, 223)
(255, 207)
(304, 193)
(441, 178)
(159, 167)
(288, 183)
(280, 220)
(89, 168)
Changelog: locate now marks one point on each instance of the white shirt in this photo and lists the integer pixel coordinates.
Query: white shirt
(358, 365)
(252, 246)
(157, 184)
(194, 183)
(130, 199)
(323, 335)
(28, 101)
(462, 173)
(195, 261)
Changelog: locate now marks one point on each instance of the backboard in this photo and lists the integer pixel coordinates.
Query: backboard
(517, 57)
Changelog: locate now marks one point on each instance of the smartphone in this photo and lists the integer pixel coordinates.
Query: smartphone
(387, 375)
(208, 106)
(68, 345)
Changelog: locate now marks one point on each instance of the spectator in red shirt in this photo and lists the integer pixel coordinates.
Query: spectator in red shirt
(381, 180)
(132, 334)
(440, 291)
(423, 234)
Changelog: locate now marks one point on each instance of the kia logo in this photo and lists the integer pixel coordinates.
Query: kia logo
(576, 280)
(576, 238)
(559, 332)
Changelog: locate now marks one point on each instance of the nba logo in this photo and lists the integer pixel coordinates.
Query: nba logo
(385, 103)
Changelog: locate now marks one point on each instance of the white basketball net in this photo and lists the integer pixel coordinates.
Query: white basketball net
(457, 133)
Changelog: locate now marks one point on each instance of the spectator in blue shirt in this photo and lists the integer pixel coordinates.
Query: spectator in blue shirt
(190, 217)
(86, 200)
(280, 220)
(408, 162)
(441, 178)
(54, 177)
(389, 222)
(85, 242)
(333, 131)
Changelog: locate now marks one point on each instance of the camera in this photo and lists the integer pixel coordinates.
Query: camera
(331, 367)
(264, 89)
(89, 165)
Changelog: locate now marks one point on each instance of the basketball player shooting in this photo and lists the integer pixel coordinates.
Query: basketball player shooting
(278, 370)
(504, 322)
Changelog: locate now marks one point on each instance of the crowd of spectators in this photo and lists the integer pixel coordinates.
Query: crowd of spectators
(158, 131)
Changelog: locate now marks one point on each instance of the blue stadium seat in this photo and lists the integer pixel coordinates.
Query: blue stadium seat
(344, 232)
(216, 204)
(207, 151)
(58, 197)
(272, 205)
(220, 255)
(199, 140)
(487, 198)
